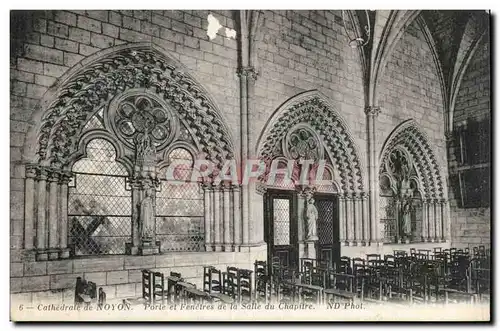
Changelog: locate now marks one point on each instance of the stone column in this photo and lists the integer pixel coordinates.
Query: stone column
(133, 247)
(63, 215)
(371, 115)
(217, 223)
(350, 219)
(226, 217)
(425, 220)
(53, 216)
(301, 234)
(439, 225)
(29, 208)
(207, 215)
(444, 221)
(342, 220)
(358, 219)
(236, 216)
(365, 223)
(432, 220)
(41, 227)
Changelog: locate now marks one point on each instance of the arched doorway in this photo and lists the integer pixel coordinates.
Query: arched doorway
(321, 204)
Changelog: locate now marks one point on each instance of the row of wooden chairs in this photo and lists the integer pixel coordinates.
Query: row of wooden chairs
(232, 285)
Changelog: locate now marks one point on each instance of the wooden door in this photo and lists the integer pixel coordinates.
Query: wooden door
(281, 227)
(328, 248)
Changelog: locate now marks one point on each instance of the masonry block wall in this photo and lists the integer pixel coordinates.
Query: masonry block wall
(297, 51)
(410, 89)
(471, 225)
(305, 50)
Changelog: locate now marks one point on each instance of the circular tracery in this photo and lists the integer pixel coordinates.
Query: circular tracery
(137, 115)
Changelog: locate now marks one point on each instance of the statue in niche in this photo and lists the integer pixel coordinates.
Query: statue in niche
(146, 216)
(311, 217)
(405, 217)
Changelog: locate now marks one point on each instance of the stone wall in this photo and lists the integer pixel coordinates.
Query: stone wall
(471, 226)
(119, 276)
(297, 51)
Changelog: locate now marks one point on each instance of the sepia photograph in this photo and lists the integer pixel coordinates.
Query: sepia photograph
(250, 165)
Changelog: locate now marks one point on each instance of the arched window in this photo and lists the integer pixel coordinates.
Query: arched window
(179, 206)
(99, 203)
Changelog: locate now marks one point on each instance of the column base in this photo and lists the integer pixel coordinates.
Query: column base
(149, 250)
(42, 255)
(228, 248)
(149, 247)
(64, 253)
(209, 248)
(53, 254)
(217, 248)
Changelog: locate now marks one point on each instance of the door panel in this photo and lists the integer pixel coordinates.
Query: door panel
(328, 228)
(281, 227)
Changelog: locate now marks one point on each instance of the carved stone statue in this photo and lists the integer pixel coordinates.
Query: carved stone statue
(406, 217)
(146, 216)
(311, 216)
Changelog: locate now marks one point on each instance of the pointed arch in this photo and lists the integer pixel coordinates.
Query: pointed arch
(313, 109)
(92, 84)
(409, 136)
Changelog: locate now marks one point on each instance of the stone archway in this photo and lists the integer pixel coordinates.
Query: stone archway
(312, 113)
(55, 140)
(414, 143)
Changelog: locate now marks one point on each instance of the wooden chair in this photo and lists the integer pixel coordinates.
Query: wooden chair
(180, 288)
(283, 285)
(399, 253)
(212, 280)
(262, 282)
(244, 285)
(425, 252)
(340, 286)
(172, 292)
(85, 292)
(230, 282)
(344, 265)
(159, 294)
(102, 297)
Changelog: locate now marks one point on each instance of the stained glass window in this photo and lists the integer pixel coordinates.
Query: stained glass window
(179, 208)
(99, 203)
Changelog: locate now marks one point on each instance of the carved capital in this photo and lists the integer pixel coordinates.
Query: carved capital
(364, 196)
(248, 72)
(260, 188)
(65, 177)
(372, 111)
(235, 188)
(449, 136)
(42, 173)
(53, 176)
(207, 186)
(31, 170)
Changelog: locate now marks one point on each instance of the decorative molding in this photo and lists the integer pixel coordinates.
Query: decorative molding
(248, 72)
(416, 143)
(312, 109)
(372, 111)
(96, 84)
